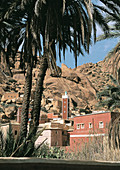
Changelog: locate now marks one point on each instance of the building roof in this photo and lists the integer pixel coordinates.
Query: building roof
(93, 113)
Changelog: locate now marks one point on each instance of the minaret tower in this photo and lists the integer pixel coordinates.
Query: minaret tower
(65, 106)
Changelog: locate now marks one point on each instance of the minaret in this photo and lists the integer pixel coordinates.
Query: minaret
(65, 106)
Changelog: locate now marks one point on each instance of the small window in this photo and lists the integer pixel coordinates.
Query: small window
(90, 125)
(64, 101)
(100, 124)
(64, 111)
(78, 126)
(82, 125)
(64, 106)
(15, 132)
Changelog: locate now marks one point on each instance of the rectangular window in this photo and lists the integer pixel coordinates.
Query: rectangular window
(80, 126)
(101, 124)
(15, 132)
(90, 125)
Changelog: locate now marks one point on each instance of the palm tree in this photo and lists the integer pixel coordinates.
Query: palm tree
(114, 27)
(9, 144)
(68, 24)
(5, 27)
(12, 36)
(110, 96)
(64, 23)
(60, 26)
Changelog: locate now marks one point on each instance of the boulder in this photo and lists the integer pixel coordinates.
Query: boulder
(13, 100)
(19, 100)
(9, 101)
(3, 99)
(3, 116)
(10, 112)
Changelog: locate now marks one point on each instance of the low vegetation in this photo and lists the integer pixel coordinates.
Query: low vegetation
(95, 149)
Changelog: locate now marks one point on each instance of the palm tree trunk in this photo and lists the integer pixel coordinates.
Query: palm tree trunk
(28, 85)
(25, 105)
(39, 92)
(6, 61)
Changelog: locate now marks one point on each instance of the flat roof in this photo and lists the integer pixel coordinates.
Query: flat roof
(94, 113)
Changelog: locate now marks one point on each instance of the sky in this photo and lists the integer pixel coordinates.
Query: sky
(98, 51)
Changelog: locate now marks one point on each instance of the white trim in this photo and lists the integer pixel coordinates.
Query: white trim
(65, 96)
(90, 135)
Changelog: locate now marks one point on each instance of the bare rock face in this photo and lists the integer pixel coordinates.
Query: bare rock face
(77, 85)
(3, 77)
(1, 91)
(10, 112)
(3, 99)
(19, 101)
(9, 101)
(81, 83)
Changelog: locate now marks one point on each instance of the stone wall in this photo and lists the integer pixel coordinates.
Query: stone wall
(45, 164)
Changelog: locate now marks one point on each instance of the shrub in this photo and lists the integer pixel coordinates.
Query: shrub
(95, 149)
(53, 152)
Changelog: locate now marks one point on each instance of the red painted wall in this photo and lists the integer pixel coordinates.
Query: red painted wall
(65, 108)
(79, 136)
(52, 115)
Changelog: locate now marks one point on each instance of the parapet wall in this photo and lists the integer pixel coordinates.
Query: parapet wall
(48, 164)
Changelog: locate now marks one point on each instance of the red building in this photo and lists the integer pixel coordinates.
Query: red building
(43, 118)
(54, 116)
(55, 134)
(89, 126)
(65, 106)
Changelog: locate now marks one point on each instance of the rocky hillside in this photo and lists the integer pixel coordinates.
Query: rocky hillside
(81, 83)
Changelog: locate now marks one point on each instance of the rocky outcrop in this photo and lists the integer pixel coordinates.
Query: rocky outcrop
(81, 83)
(10, 112)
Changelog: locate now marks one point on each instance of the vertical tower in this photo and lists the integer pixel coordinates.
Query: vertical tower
(19, 115)
(65, 106)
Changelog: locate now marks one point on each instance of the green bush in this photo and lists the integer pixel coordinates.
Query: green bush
(53, 152)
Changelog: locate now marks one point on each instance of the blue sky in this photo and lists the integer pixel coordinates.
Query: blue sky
(97, 53)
